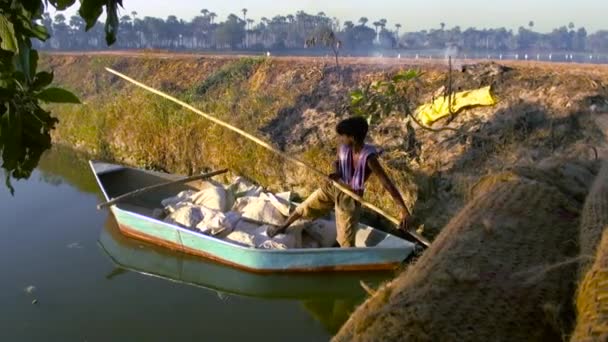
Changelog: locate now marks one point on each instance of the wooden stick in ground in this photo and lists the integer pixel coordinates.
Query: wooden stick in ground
(157, 186)
(267, 146)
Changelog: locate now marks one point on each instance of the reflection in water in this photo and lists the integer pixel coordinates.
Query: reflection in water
(328, 297)
(62, 164)
(116, 272)
(332, 314)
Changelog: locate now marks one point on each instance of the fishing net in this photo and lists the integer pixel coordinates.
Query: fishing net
(592, 296)
(503, 269)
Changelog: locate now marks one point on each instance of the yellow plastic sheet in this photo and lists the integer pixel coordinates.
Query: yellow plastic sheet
(431, 112)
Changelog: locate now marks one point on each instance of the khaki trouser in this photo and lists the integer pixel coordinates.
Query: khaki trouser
(347, 211)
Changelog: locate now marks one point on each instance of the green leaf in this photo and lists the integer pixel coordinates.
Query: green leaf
(57, 95)
(7, 35)
(90, 10)
(30, 28)
(7, 181)
(111, 22)
(356, 97)
(5, 84)
(32, 6)
(33, 65)
(405, 76)
(39, 32)
(42, 79)
(26, 61)
(62, 4)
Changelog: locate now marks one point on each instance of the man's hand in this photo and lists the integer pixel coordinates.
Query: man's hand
(405, 217)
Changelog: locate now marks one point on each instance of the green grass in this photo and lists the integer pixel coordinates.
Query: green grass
(229, 74)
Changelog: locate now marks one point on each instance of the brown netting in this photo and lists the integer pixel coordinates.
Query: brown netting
(503, 269)
(592, 296)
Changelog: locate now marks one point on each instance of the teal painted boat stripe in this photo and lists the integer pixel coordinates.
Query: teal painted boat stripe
(278, 251)
(260, 258)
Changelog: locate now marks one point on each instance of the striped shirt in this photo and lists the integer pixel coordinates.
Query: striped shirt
(355, 176)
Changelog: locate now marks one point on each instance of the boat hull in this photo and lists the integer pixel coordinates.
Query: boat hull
(382, 251)
(255, 260)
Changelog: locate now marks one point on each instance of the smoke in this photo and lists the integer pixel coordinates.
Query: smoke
(453, 52)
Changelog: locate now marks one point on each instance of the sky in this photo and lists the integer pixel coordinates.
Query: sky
(413, 15)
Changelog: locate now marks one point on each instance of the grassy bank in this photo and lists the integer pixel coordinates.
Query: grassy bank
(543, 112)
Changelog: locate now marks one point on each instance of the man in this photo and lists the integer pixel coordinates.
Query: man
(356, 161)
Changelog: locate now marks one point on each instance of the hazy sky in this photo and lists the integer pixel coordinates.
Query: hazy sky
(412, 14)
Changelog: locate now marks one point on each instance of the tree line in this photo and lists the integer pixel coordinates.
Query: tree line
(239, 32)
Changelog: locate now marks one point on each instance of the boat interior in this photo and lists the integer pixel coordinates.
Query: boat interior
(119, 181)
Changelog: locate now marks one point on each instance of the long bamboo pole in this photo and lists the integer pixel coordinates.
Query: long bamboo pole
(158, 186)
(269, 147)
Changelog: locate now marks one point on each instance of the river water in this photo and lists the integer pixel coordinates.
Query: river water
(69, 275)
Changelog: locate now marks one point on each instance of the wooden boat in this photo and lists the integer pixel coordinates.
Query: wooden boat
(155, 261)
(375, 249)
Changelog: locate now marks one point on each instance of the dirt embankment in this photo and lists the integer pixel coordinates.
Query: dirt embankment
(544, 111)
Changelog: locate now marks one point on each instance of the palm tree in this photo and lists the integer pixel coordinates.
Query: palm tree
(244, 10)
(571, 26)
(204, 12)
(348, 25)
(377, 25)
(60, 18)
(531, 24)
(363, 21)
(442, 24)
(212, 16)
(382, 26)
(398, 27)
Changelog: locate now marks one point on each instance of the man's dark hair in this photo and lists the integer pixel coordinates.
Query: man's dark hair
(355, 127)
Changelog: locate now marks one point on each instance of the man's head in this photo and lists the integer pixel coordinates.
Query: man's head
(352, 130)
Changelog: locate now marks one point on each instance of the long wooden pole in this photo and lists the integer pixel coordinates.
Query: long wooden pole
(157, 186)
(267, 146)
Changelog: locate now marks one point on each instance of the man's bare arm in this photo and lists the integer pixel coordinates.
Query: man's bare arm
(388, 184)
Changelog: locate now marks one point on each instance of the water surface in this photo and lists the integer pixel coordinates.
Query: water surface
(90, 283)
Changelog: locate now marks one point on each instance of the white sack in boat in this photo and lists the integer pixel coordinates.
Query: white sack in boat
(217, 223)
(212, 197)
(252, 235)
(243, 188)
(323, 231)
(181, 197)
(186, 216)
(258, 209)
(280, 201)
(309, 242)
(241, 238)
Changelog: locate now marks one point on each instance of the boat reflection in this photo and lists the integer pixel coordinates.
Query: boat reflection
(329, 297)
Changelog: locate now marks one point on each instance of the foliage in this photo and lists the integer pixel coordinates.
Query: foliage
(292, 31)
(238, 70)
(325, 36)
(379, 99)
(24, 125)
(230, 33)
